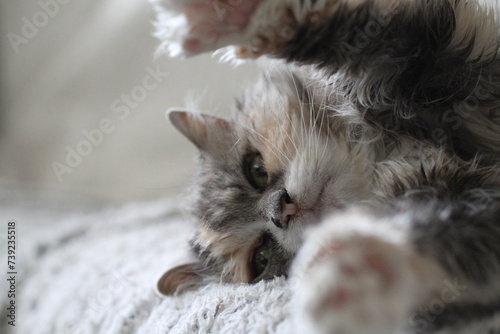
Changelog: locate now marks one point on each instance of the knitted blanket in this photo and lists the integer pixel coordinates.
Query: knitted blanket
(95, 273)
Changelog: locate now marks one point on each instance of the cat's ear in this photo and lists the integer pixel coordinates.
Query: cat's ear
(206, 132)
(179, 279)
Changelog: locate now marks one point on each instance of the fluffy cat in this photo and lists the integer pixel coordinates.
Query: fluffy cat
(364, 164)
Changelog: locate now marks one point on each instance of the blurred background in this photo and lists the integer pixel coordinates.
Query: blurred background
(83, 101)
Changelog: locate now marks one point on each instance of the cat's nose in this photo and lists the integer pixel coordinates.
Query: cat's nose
(288, 209)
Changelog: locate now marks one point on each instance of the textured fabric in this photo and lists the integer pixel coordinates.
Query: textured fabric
(95, 273)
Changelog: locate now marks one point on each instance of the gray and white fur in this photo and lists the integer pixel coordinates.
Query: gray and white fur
(364, 164)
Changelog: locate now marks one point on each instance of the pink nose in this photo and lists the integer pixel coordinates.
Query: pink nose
(288, 210)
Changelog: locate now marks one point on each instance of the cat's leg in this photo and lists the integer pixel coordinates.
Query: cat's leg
(361, 272)
(431, 260)
(360, 275)
(333, 32)
(189, 27)
(434, 59)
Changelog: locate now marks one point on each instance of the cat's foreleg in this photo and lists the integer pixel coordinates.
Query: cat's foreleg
(359, 275)
(435, 58)
(331, 32)
(408, 270)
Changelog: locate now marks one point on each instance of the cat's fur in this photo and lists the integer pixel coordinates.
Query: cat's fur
(378, 124)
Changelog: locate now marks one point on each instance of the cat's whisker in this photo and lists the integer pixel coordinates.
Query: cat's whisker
(322, 113)
(293, 129)
(318, 129)
(311, 125)
(315, 114)
(299, 98)
(235, 144)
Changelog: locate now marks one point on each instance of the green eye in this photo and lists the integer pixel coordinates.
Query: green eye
(256, 172)
(260, 259)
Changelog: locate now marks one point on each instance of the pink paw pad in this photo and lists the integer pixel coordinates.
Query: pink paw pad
(235, 12)
(215, 18)
(376, 263)
(337, 298)
(192, 45)
(357, 263)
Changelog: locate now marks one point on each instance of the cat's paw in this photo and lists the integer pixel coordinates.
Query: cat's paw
(354, 279)
(190, 27)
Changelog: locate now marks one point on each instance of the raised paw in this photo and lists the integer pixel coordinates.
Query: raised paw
(190, 27)
(357, 281)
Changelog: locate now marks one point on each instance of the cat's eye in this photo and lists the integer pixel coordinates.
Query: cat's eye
(255, 171)
(260, 259)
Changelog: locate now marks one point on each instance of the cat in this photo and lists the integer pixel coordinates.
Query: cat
(363, 165)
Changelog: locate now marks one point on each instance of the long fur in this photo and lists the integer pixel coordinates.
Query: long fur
(388, 109)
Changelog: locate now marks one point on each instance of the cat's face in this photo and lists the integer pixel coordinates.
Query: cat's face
(279, 167)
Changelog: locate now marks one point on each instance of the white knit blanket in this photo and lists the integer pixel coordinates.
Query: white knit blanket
(95, 273)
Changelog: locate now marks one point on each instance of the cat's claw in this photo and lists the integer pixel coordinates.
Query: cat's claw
(355, 282)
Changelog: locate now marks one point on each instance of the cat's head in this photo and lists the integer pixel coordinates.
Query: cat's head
(283, 163)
